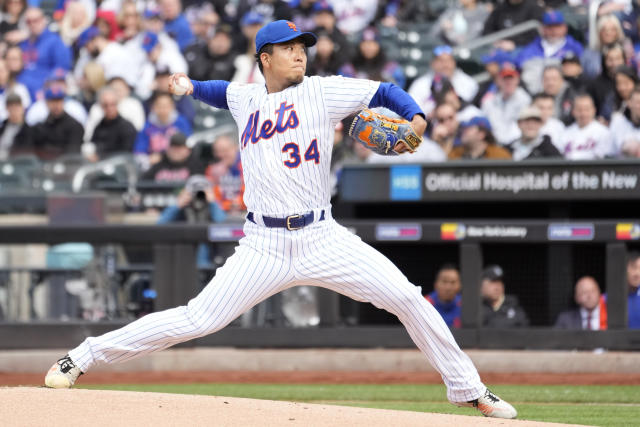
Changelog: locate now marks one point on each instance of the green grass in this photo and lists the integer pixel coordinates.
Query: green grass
(588, 405)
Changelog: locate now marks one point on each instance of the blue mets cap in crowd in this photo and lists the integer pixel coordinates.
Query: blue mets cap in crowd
(280, 32)
(479, 121)
(497, 55)
(151, 12)
(57, 74)
(149, 41)
(553, 17)
(252, 18)
(87, 35)
(442, 50)
(322, 6)
(54, 92)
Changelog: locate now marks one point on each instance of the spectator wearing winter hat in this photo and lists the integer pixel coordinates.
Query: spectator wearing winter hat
(553, 44)
(60, 133)
(477, 142)
(444, 64)
(503, 109)
(107, 23)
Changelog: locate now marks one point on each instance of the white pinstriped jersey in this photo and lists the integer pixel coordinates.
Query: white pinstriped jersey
(286, 142)
(286, 139)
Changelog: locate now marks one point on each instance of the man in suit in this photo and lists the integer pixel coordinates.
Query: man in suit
(591, 313)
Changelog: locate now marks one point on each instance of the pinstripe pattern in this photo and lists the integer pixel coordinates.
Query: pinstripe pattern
(269, 260)
(319, 103)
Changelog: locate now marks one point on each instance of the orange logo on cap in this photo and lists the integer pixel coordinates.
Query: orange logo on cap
(292, 26)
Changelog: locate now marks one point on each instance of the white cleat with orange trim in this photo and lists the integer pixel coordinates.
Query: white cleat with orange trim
(63, 374)
(491, 406)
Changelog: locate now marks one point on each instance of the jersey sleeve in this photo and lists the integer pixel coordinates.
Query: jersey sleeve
(345, 96)
(237, 98)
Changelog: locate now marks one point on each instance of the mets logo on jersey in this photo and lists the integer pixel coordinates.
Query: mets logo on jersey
(286, 118)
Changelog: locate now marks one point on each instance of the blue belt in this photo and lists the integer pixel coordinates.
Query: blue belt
(292, 222)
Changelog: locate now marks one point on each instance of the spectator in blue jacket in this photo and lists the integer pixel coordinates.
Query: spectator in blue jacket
(43, 51)
(446, 295)
(553, 45)
(175, 23)
(633, 280)
(163, 121)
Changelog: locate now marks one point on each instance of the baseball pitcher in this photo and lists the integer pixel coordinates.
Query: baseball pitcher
(286, 131)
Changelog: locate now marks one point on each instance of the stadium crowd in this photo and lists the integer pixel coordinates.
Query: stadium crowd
(90, 77)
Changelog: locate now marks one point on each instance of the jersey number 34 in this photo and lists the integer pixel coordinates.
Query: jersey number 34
(294, 160)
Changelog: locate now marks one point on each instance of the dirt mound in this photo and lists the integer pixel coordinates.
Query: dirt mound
(39, 406)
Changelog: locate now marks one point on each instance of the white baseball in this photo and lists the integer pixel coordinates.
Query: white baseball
(182, 86)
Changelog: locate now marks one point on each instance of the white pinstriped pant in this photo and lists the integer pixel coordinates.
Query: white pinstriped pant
(269, 260)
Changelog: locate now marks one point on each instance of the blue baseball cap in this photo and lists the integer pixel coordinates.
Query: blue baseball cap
(57, 74)
(149, 41)
(496, 55)
(477, 121)
(87, 35)
(252, 18)
(322, 6)
(151, 12)
(553, 17)
(370, 34)
(54, 92)
(442, 50)
(280, 32)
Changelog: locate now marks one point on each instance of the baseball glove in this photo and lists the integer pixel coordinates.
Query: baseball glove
(382, 134)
